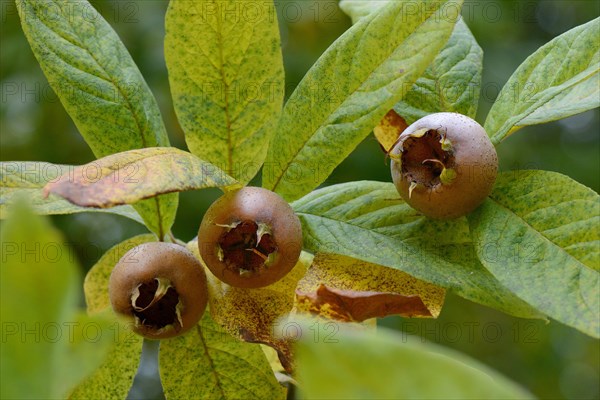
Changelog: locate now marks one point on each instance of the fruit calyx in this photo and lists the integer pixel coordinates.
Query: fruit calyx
(427, 159)
(156, 304)
(444, 165)
(246, 247)
(250, 238)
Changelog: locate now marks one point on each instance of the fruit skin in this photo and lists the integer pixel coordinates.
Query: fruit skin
(472, 157)
(263, 207)
(169, 261)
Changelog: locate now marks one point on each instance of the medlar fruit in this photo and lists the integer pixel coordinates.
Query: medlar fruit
(444, 165)
(161, 287)
(250, 238)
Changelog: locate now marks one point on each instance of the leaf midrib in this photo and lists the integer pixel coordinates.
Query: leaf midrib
(210, 361)
(265, 374)
(219, 34)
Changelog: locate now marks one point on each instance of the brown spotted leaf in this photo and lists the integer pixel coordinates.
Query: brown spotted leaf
(26, 179)
(130, 176)
(389, 129)
(346, 289)
(351, 305)
(253, 314)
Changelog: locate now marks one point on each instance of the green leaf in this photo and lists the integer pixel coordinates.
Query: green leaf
(368, 221)
(114, 377)
(96, 79)
(562, 78)
(227, 81)
(25, 179)
(95, 285)
(349, 90)
(207, 363)
(48, 346)
(99, 85)
(450, 83)
(334, 368)
(128, 177)
(539, 236)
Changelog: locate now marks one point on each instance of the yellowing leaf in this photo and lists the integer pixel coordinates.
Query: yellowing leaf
(250, 314)
(128, 177)
(208, 363)
(350, 290)
(389, 129)
(227, 80)
(26, 179)
(114, 377)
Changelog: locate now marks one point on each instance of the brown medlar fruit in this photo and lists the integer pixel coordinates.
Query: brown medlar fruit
(250, 238)
(161, 288)
(444, 165)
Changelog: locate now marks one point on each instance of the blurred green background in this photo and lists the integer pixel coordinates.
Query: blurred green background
(550, 360)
